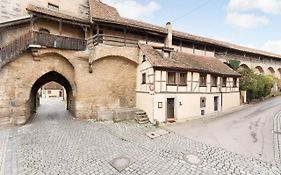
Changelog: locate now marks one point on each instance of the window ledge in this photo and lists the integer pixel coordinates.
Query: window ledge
(171, 84)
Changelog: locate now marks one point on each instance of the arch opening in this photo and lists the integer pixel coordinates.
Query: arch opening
(52, 77)
(271, 71)
(243, 67)
(279, 73)
(259, 70)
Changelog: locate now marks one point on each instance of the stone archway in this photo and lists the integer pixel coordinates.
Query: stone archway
(279, 73)
(113, 83)
(271, 71)
(243, 67)
(259, 70)
(20, 77)
(46, 78)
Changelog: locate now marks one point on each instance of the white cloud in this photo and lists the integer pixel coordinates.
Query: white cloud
(133, 9)
(246, 20)
(272, 46)
(266, 6)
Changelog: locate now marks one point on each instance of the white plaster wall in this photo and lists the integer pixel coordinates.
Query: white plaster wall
(145, 101)
(144, 67)
(187, 106)
(230, 100)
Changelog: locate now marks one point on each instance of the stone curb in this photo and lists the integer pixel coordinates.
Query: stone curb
(277, 137)
(4, 137)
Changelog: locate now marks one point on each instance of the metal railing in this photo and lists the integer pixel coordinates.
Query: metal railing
(112, 40)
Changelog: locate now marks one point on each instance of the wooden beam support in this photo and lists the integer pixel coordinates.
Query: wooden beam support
(60, 27)
(125, 36)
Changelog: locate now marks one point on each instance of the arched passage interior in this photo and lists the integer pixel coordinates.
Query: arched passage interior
(46, 78)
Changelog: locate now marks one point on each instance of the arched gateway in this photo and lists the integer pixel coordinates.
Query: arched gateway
(25, 75)
(49, 77)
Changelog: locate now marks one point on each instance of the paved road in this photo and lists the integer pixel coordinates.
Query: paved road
(248, 131)
(54, 144)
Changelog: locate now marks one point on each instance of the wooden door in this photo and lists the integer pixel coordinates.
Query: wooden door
(216, 103)
(170, 108)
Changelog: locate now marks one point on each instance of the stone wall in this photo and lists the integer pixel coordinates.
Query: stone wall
(18, 77)
(10, 9)
(110, 86)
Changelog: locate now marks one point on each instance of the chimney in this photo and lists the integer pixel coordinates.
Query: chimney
(168, 49)
(169, 37)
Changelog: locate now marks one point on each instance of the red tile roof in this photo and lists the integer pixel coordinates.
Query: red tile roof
(101, 12)
(45, 11)
(189, 62)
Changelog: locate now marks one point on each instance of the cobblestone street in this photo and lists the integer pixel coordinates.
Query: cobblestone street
(53, 143)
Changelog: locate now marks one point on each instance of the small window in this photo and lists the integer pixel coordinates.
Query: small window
(214, 81)
(203, 80)
(202, 102)
(234, 82)
(183, 78)
(224, 79)
(202, 112)
(53, 7)
(143, 58)
(49, 92)
(143, 78)
(171, 78)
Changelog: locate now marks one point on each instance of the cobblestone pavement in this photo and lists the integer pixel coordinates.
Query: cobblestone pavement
(54, 144)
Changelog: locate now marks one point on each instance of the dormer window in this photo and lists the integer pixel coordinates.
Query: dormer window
(53, 7)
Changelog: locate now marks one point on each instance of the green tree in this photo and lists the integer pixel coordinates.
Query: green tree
(257, 85)
(234, 64)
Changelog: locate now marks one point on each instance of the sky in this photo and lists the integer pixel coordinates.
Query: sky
(251, 23)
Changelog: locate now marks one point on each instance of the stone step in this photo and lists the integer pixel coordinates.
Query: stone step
(142, 119)
(5, 121)
(140, 113)
(143, 122)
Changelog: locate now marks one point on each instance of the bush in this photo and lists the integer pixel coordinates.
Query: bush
(257, 85)
(234, 64)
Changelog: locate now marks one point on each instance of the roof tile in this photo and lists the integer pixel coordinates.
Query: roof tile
(189, 62)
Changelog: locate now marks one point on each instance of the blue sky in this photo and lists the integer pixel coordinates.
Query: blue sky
(252, 23)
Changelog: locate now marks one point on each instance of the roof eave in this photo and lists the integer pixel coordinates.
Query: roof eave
(172, 68)
(15, 22)
(94, 20)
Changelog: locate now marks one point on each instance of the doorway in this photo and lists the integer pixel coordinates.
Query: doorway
(216, 103)
(48, 89)
(170, 109)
